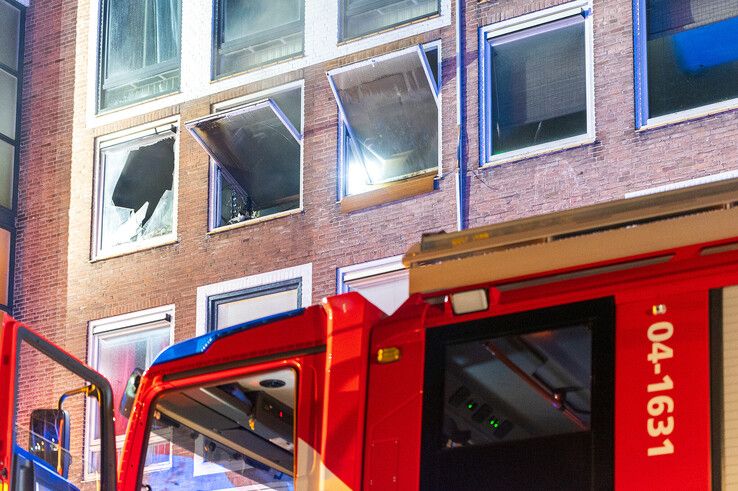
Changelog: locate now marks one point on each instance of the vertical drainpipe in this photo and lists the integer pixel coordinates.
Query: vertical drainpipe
(461, 201)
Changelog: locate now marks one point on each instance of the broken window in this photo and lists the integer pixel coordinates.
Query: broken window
(537, 88)
(139, 50)
(389, 109)
(254, 33)
(361, 17)
(688, 56)
(256, 150)
(136, 192)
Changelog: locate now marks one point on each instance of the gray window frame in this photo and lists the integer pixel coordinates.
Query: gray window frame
(8, 215)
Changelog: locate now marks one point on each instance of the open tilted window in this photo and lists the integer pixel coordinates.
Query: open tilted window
(256, 149)
(389, 110)
(136, 189)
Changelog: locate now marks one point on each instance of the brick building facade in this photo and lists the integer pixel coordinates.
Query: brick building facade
(82, 292)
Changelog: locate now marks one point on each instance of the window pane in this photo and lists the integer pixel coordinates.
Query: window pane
(387, 291)
(7, 160)
(361, 17)
(493, 388)
(392, 112)
(5, 243)
(692, 52)
(119, 353)
(538, 85)
(257, 32)
(238, 435)
(140, 56)
(138, 194)
(256, 307)
(9, 35)
(8, 101)
(258, 160)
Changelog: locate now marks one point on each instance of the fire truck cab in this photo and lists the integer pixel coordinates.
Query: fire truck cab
(585, 349)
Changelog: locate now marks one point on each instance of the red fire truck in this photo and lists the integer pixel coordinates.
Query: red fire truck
(590, 349)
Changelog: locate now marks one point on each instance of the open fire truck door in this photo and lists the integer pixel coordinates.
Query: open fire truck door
(43, 394)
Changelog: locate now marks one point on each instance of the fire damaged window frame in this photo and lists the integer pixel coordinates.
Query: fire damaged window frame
(160, 128)
(640, 74)
(418, 183)
(535, 19)
(214, 187)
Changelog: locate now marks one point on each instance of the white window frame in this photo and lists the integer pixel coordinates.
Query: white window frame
(320, 45)
(341, 170)
(130, 323)
(517, 24)
(125, 136)
(213, 184)
(359, 271)
(303, 272)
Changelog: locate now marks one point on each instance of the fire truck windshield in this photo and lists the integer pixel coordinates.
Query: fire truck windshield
(225, 436)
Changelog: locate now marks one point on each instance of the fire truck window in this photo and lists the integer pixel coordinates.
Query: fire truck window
(43, 433)
(517, 387)
(235, 434)
(526, 403)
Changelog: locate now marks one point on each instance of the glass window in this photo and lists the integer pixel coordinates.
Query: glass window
(136, 191)
(691, 54)
(536, 86)
(8, 103)
(249, 304)
(234, 435)
(256, 150)
(531, 384)
(7, 164)
(384, 282)
(256, 32)
(361, 17)
(117, 348)
(389, 108)
(140, 50)
(10, 20)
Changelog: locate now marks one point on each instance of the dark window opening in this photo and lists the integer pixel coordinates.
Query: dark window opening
(692, 53)
(257, 154)
(527, 401)
(362, 17)
(137, 191)
(257, 32)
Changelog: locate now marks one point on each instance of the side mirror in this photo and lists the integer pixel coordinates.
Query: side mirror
(49, 438)
(129, 395)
